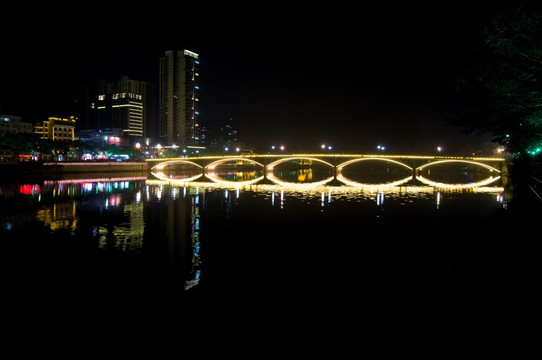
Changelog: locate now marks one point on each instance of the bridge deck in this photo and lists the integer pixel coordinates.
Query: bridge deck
(414, 163)
(383, 156)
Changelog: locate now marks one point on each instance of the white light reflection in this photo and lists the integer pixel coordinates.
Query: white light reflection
(278, 181)
(349, 182)
(373, 192)
(380, 198)
(487, 181)
(165, 177)
(212, 176)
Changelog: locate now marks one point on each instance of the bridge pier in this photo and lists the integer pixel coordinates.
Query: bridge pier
(414, 181)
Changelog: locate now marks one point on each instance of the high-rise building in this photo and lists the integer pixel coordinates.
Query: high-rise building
(178, 95)
(126, 105)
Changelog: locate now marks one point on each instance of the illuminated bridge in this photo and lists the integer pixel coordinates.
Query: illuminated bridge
(414, 164)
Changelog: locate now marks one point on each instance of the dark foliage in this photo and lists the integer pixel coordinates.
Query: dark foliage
(502, 90)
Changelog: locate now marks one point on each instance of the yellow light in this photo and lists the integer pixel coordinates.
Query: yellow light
(347, 181)
(177, 161)
(340, 166)
(164, 177)
(278, 181)
(459, 161)
(487, 181)
(224, 159)
(217, 180)
(294, 157)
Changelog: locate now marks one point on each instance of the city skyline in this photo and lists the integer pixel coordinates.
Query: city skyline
(382, 78)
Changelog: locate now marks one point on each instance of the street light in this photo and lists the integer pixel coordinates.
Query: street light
(328, 147)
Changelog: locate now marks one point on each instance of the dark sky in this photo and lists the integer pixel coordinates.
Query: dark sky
(354, 76)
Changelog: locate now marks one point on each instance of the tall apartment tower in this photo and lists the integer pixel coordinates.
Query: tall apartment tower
(127, 105)
(178, 95)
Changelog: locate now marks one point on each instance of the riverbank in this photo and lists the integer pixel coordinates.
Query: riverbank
(35, 171)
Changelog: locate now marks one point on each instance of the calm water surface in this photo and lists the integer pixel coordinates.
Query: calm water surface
(143, 268)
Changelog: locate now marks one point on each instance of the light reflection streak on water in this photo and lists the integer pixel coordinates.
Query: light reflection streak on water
(309, 191)
(278, 181)
(484, 182)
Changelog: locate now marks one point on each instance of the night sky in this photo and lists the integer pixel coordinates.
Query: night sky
(353, 76)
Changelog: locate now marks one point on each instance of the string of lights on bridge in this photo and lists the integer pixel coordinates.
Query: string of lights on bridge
(207, 165)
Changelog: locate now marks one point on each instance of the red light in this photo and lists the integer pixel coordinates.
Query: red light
(27, 189)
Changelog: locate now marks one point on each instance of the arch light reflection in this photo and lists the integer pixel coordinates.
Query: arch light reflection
(212, 176)
(349, 182)
(439, 185)
(325, 193)
(165, 177)
(280, 182)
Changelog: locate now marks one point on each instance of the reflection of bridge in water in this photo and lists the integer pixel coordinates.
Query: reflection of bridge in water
(414, 164)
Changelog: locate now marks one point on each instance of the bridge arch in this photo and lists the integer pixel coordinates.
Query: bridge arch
(342, 165)
(484, 182)
(155, 170)
(233, 158)
(347, 181)
(491, 168)
(162, 165)
(271, 165)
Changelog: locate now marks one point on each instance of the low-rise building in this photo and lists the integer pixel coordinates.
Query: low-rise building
(12, 124)
(56, 128)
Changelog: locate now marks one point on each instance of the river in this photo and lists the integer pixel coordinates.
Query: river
(143, 268)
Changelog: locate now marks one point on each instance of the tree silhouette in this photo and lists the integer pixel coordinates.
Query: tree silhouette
(502, 90)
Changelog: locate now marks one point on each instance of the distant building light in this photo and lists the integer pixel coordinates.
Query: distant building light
(191, 54)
